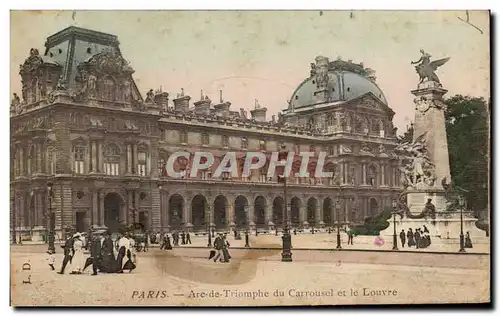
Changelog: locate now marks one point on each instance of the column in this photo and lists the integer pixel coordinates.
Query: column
(269, 213)
(93, 156)
(342, 173)
(302, 213)
(39, 208)
(166, 208)
(251, 214)
(95, 208)
(230, 212)
(100, 157)
(21, 161)
(130, 206)
(134, 158)
(318, 214)
(129, 158)
(38, 153)
(186, 213)
(101, 207)
(382, 167)
(364, 174)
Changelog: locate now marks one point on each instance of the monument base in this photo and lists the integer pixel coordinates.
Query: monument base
(446, 225)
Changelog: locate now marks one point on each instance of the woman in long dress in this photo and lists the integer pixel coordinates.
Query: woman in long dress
(78, 260)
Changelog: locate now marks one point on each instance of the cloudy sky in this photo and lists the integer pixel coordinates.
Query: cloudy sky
(265, 55)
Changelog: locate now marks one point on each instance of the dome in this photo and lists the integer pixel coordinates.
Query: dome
(346, 81)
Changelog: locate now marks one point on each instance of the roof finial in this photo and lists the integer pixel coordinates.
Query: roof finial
(201, 96)
(182, 92)
(221, 100)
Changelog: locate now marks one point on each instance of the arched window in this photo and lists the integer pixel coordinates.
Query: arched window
(107, 89)
(79, 159)
(330, 120)
(112, 160)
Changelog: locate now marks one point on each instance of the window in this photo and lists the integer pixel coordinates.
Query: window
(330, 120)
(225, 141)
(372, 176)
(141, 163)
(281, 144)
(244, 143)
(296, 148)
(206, 174)
(51, 160)
(205, 139)
(263, 174)
(31, 161)
(331, 150)
(312, 148)
(183, 137)
(78, 159)
(162, 165)
(226, 175)
(262, 144)
(107, 89)
(112, 160)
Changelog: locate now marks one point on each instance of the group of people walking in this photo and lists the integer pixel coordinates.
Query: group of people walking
(220, 253)
(166, 243)
(106, 255)
(420, 238)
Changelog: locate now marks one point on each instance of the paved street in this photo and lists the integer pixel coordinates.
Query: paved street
(185, 277)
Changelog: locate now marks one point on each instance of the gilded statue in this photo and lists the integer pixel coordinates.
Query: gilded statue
(426, 69)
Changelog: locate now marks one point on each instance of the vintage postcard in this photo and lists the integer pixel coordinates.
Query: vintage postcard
(249, 158)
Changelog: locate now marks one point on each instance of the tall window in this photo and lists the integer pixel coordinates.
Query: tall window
(331, 151)
(312, 148)
(205, 138)
(51, 160)
(142, 163)
(79, 159)
(183, 137)
(31, 161)
(107, 89)
(262, 144)
(112, 160)
(225, 141)
(244, 143)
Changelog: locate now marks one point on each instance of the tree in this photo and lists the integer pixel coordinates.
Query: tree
(467, 129)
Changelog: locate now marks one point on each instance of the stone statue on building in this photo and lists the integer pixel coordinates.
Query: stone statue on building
(313, 69)
(243, 113)
(426, 69)
(91, 85)
(16, 101)
(61, 86)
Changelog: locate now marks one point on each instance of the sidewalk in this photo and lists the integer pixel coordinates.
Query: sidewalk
(325, 241)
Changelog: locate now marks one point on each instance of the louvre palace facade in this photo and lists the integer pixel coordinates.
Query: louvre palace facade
(81, 124)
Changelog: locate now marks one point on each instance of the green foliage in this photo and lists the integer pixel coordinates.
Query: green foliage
(467, 129)
(373, 225)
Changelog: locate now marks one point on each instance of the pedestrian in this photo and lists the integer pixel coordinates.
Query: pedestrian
(188, 238)
(163, 242)
(168, 245)
(411, 240)
(77, 262)
(68, 253)
(95, 253)
(225, 249)
(468, 241)
(51, 259)
(350, 236)
(402, 236)
(183, 238)
(417, 238)
(218, 247)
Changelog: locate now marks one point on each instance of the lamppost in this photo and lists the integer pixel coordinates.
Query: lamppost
(247, 244)
(286, 255)
(209, 245)
(51, 225)
(338, 204)
(312, 226)
(394, 236)
(14, 210)
(461, 202)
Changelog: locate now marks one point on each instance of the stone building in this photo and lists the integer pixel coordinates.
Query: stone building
(82, 125)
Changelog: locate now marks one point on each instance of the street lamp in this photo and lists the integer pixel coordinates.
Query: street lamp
(51, 225)
(286, 255)
(339, 246)
(461, 202)
(394, 236)
(247, 245)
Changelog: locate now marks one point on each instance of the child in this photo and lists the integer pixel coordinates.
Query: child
(51, 259)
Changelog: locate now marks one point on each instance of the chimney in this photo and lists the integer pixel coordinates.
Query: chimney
(181, 103)
(161, 99)
(322, 80)
(203, 106)
(259, 114)
(222, 109)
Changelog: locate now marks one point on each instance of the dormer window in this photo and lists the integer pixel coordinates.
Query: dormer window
(262, 144)
(89, 50)
(225, 141)
(296, 97)
(205, 139)
(244, 143)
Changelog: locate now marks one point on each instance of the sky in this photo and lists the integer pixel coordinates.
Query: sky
(265, 55)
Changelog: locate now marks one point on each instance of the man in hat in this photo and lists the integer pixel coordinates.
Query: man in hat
(95, 252)
(68, 253)
(218, 243)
